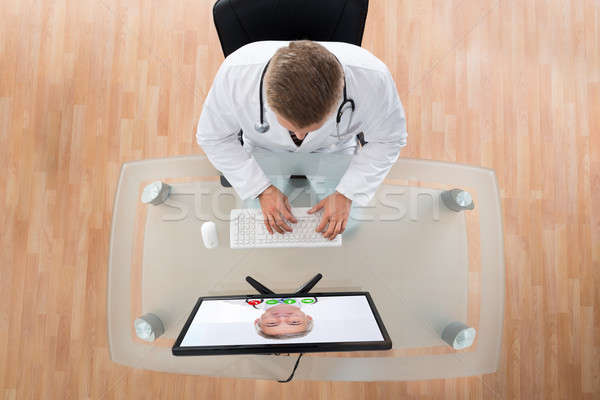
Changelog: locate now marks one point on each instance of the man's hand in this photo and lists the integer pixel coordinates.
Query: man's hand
(337, 209)
(276, 210)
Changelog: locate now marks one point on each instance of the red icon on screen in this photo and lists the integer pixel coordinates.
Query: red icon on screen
(254, 302)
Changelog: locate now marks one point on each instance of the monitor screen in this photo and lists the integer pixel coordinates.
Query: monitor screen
(271, 320)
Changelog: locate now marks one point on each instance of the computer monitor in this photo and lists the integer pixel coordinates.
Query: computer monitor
(285, 323)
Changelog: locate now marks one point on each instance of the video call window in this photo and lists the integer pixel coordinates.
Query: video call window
(305, 319)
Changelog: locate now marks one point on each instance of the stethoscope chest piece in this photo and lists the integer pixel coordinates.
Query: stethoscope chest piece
(262, 127)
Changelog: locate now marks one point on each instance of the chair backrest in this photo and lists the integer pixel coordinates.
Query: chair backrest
(240, 22)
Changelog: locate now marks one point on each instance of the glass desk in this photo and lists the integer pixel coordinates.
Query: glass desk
(424, 265)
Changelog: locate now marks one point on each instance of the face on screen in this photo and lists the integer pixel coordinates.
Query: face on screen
(283, 321)
(223, 322)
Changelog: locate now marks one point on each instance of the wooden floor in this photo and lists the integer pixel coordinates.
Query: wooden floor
(86, 85)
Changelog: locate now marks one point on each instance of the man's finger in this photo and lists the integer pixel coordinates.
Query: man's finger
(344, 225)
(330, 229)
(287, 213)
(288, 216)
(317, 207)
(337, 230)
(268, 225)
(274, 224)
(282, 224)
(322, 224)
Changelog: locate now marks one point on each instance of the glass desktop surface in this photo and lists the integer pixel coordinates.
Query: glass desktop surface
(419, 267)
(415, 268)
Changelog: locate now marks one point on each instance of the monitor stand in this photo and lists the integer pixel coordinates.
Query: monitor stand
(262, 289)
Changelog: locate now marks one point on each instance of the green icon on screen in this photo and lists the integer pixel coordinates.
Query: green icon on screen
(272, 302)
(308, 301)
(289, 301)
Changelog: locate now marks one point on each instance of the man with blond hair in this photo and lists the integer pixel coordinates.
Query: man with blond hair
(319, 97)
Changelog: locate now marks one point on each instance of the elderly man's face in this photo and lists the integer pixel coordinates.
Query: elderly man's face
(283, 319)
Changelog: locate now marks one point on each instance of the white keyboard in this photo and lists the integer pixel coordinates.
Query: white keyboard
(247, 230)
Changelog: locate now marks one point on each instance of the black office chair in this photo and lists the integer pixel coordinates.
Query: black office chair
(239, 22)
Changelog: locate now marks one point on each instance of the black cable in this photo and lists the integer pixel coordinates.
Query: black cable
(293, 371)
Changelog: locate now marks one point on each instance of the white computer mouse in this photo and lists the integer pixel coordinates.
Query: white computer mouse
(209, 235)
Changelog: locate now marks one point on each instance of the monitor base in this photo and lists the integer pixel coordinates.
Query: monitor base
(262, 289)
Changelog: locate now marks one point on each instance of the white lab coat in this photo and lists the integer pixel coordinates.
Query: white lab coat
(232, 104)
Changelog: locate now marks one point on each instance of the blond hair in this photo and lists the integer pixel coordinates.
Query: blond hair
(303, 82)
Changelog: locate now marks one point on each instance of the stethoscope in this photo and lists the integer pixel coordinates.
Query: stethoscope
(263, 126)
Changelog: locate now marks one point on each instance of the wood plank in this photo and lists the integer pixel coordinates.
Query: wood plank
(87, 85)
